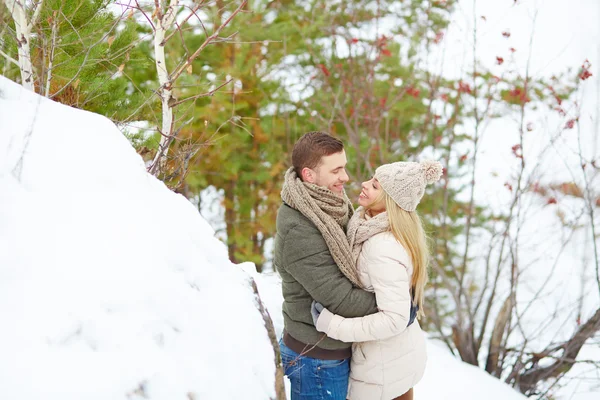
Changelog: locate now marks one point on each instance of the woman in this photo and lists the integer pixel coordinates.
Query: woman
(390, 249)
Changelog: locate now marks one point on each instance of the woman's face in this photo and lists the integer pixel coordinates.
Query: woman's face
(371, 190)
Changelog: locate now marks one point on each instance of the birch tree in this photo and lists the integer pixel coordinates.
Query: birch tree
(24, 18)
(165, 28)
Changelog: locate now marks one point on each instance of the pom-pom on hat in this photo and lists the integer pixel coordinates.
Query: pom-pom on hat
(405, 181)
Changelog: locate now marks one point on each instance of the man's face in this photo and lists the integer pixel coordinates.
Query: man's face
(330, 174)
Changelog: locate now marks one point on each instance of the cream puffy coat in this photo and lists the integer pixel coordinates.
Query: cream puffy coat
(388, 358)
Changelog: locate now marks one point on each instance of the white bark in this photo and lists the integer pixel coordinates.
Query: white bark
(23, 32)
(162, 25)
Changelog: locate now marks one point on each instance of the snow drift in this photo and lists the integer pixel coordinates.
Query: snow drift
(112, 286)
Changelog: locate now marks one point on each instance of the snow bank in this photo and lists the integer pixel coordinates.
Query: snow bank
(112, 286)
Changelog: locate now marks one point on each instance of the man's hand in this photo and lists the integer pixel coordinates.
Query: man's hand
(315, 311)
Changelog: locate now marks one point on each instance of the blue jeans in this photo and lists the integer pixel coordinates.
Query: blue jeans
(313, 379)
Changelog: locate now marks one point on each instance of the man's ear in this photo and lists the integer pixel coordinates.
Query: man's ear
(308, 175)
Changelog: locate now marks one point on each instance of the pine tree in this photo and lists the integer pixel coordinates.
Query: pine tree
(248, 152)
(84, 56)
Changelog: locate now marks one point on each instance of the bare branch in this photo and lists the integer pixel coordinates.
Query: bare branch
(192, 12)
(207, 94)
(589, 202)
(529, 380)
(9, 58)
(173, 77)
(36, 15)
(51, 58)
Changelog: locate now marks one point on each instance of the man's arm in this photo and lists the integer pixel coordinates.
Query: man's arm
(309, 261)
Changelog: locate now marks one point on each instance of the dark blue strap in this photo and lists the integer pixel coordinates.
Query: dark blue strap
(414, 308)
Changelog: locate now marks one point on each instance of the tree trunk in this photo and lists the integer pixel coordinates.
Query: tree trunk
(165, 90)
(257, 249)
(279, 384)
(23, 33)
(464, 341)
(230, 221)
(258, 241)
(491, 365)
(530, 379)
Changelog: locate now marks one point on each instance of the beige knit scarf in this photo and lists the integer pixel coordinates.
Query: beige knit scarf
(361, 227)
(330, 214)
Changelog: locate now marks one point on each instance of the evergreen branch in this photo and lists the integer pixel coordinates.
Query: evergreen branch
(89, 50)
(117, 54)
(145, 103)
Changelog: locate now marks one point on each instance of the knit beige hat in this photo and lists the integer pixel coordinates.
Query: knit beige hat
(405, 181)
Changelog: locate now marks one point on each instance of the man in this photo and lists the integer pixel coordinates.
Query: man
(313, 257)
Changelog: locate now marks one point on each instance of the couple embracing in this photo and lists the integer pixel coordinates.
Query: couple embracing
(352, 281)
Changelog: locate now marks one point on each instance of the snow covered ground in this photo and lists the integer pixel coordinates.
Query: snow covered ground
(112, 286)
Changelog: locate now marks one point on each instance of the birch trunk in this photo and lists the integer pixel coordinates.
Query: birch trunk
(162, 25)
(23, 33)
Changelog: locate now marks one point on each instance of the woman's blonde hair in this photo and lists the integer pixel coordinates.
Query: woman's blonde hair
(407, 228)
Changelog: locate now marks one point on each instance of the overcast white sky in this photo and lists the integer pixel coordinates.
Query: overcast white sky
(566, 32)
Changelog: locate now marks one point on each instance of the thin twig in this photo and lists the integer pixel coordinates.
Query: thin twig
(9, 58)
(208, 40)
(207, 94)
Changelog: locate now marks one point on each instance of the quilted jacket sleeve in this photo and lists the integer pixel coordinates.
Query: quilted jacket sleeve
(387, 263)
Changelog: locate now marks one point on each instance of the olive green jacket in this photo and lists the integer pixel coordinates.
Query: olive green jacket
(309, 272)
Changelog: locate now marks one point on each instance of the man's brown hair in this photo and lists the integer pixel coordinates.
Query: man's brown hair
(311, 147)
